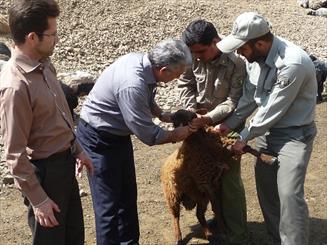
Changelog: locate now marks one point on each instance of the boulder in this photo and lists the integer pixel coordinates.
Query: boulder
(80, 82)
(8, 180)
(312, 4)
(319, 12)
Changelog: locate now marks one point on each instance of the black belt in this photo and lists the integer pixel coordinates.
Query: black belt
(61, 154)
(56, 156)
(104, 134)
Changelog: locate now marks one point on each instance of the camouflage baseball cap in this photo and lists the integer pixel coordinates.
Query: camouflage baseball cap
(247, 26)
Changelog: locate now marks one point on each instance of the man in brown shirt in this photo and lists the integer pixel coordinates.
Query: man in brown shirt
(37, 128)
(214, 83)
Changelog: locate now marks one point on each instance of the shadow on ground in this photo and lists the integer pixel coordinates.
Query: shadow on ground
(318, 234)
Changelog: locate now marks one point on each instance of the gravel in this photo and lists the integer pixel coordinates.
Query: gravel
(93, 33)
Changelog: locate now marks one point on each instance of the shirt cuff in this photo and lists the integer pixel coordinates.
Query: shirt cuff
(161, 136)
(214, 117)
(219, 114)
(35, 195)
(233, 122)
(38, 205)
(245, 135)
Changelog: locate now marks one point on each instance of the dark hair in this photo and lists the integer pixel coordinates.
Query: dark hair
(26, 16)
(267, 37)
(199, 32)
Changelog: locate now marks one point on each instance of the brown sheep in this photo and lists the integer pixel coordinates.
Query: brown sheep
(191, 175)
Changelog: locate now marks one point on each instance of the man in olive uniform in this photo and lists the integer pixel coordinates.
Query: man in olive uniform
(214, 83)
(281, 85)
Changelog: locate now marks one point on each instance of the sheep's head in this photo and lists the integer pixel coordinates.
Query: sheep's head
(182, 117)
(84, 88)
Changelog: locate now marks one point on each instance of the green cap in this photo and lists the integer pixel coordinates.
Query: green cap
(247, 26)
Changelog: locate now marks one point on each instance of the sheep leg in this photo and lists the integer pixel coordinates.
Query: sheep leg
(174, 207)
(177, 228)
(200, 214)
(178, 233)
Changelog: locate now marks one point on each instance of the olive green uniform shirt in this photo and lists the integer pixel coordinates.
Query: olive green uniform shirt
(215, 85)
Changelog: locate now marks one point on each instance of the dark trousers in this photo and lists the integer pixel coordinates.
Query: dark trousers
(57, 177)
(113, 185)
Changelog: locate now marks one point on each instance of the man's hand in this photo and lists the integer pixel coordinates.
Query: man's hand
(201, 121)
(181, 133)
(82, 159)
(238, 147)
(222, 129)
(44, 213)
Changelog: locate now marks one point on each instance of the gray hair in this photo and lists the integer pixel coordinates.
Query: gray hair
(170, 53)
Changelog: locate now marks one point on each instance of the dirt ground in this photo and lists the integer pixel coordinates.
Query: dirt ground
(93, 33)
(156, 222)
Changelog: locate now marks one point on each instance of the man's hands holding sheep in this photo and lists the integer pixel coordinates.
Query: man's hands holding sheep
(165, 116)
(200, 121)
(238, 147)
(182, 132)
(224, 130)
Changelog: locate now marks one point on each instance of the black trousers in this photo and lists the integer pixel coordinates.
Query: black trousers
(113, 185)
(57, 177)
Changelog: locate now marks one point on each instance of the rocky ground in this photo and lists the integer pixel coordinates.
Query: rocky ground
(93, 33)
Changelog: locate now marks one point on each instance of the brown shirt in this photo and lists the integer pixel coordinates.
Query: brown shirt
(35, 119)
(215, 85)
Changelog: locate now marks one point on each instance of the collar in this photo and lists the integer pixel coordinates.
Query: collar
(271, 58)
(221, 60)
(27, 64)
(150, 79)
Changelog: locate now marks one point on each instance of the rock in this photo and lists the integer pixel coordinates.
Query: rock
(166, 107)
(317, 4)
(4, 27)
(318, 12)
(8, 180)
(80, 81)
(156, 121)
(303, 3)
(312, 4)
(82, 193)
